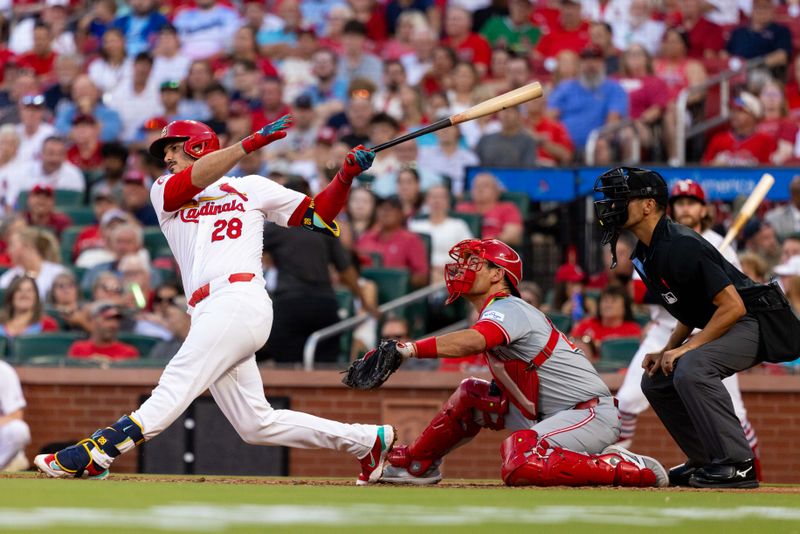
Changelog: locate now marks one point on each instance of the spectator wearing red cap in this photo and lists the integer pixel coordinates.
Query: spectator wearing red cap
(53, 170)
(136, 198)
(41, 58)
(571, 32)
(742, 144)
(6, 57)
(136, 98)
(32, 128)
(614, 319)
(206, 29)
(85, 152)
(568, 291)
(42, 211)
(168, 62)
(468, 45)
(103, 343)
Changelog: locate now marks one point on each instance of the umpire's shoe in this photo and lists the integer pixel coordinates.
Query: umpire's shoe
(372, 464)
(741, 475)
(680, 474)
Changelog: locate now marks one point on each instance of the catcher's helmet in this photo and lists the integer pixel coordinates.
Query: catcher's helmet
(460, 275)
(687, 188)
(199, 139)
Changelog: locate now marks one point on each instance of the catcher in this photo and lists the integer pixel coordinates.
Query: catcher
(563, 417)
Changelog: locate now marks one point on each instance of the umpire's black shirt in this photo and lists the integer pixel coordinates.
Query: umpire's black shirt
(685, 272)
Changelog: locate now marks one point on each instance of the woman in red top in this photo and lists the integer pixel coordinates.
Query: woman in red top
(22, 311)
(614, 319)
(774, 121)
(678, 71)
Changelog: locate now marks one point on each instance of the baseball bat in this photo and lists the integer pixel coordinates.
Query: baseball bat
(748, 208)
(493, 105)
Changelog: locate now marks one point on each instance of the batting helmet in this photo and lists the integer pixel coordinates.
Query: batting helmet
(460, 275)
(687, 188)
(199, 139)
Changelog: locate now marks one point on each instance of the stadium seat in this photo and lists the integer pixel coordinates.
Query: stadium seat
(428, 243)
(346, 303)
(521, 199)
(392, 283)
(144, 344)
(473, 220)
(3, 346)
(617, 353)
(642, 318)
(68, 238)
(154, 240)
(63, 197)
(562, 321)
(45, 344)
(80, 215)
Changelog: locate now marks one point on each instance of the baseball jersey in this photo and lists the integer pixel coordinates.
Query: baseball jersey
(566, 378)
(11, 398)
(221, 230)
(658, 313)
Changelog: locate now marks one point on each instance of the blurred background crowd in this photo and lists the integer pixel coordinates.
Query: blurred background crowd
(85, 86)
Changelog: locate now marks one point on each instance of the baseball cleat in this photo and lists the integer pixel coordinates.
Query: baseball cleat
(741, 475)
(400, 475)
(47, 464)
(643, 462)
(18, 463)
(372, 464)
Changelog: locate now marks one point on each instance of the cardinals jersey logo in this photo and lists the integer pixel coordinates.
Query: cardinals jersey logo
(228, 188)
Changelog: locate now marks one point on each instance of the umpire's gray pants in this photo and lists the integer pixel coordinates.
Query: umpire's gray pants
(693, 403)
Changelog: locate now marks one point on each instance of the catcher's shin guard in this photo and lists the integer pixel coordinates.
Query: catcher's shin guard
(95, 454)
(527, 461)
(454, 425)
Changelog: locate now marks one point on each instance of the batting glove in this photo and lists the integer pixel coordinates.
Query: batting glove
(357, 161)
(268, 134)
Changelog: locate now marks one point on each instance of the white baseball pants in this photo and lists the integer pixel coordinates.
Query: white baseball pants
(219, 354)
(14, 436)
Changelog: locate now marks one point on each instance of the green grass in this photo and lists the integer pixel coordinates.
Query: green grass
(143, 505)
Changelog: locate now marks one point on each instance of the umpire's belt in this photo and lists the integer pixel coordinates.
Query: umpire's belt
(205, 290)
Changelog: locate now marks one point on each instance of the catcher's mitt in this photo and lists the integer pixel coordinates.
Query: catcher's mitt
(375, 367)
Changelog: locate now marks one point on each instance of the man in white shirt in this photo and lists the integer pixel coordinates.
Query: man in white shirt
(53, 170)
(169, 63)
(32, 129)
(639, 28)
(206, 30)
(14, 431)
(11, 166)
(137, 98)
(449, 159)
(785, 220)
(445, 231)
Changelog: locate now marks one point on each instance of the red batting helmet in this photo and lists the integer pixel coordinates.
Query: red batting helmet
(199, 139)
(468, 254)
(687, 188)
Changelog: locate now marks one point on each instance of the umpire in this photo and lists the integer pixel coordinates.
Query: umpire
(741, 324)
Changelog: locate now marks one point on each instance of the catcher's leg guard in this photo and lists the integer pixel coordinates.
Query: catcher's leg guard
(95, 454)
(454, 425)
(528, 461)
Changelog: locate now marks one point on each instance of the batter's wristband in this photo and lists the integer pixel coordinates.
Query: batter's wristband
(426, 348)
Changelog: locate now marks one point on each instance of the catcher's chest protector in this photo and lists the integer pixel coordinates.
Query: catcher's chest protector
(519, 381)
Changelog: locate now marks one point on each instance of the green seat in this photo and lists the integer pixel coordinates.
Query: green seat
(3, 346)
(68, 238)
(428, 244)
(46, 344)
(167, 275)
(144, 344)
(473, 220)
(521, 199)
(139, 363)
(346, 308)
(63, 197)
(46, 361)
(562, 321)
(80, 215)
(154, 240)
(392, 283)
(617, 353)
(642, 318)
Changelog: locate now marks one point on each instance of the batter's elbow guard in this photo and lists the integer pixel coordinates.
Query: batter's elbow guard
(312, 221)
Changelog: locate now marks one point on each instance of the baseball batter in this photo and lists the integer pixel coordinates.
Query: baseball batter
(214, 226)
(14, 431)
(688, 204)
(544, 389)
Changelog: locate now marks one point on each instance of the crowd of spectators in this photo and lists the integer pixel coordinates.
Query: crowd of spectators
(85, 86)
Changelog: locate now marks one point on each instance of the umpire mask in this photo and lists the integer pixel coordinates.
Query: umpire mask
(618, 186)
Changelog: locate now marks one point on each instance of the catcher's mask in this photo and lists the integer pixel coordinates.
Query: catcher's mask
(618, 186)
(471, 255)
